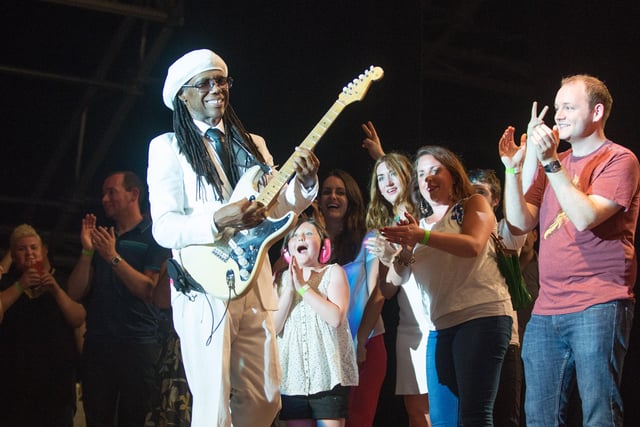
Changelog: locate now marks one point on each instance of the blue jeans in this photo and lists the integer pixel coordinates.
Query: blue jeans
(587, 348)
(463, 371)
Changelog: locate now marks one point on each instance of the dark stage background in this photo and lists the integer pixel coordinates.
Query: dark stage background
(82, 87)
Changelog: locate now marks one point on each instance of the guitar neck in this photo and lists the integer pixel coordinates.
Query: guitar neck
(268, 195)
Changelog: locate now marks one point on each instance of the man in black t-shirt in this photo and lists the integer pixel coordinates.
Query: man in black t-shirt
(121, 347)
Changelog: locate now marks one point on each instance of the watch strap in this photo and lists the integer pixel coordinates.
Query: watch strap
(552, 167)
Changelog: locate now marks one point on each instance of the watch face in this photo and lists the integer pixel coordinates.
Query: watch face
(115, 261)
(552, 167)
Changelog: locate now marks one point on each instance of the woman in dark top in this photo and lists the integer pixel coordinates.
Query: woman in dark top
(38, 354)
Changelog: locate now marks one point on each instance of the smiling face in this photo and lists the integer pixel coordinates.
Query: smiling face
(305, 245)
(116, 199)
(26, 252)
(574, 117)
(434, 180)
(208, 107)
(389, 183)
(333, 199)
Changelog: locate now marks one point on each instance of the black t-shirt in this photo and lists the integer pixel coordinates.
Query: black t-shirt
(114, 314)
(38, 357)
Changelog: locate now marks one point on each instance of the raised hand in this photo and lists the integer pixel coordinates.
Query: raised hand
(372, 142)
(88, 225)
(306, 167)
(511, 154)
(536, 119)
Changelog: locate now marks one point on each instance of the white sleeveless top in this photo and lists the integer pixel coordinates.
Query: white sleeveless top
(461, 289)
(314, 356)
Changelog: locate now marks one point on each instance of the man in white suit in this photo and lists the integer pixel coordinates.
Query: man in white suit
(228, 346)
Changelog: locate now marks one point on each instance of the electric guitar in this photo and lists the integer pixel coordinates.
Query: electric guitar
(227, 267)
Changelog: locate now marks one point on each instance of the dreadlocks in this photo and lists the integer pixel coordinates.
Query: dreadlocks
(191, 145)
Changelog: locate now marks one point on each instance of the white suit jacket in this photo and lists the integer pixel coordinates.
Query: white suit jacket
(180, 218)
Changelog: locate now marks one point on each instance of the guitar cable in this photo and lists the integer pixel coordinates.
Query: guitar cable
(224, 314)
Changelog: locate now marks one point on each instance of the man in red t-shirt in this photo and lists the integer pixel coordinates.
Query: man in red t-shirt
(586, 202)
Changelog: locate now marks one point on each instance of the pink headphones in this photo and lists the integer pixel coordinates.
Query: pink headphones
(323, 258)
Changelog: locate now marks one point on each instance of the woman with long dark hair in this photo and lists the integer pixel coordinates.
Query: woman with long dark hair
(452, 257)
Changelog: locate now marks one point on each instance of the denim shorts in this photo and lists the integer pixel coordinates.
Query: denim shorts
(324, 405)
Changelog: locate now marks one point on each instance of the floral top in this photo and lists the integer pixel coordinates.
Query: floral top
(314, 356)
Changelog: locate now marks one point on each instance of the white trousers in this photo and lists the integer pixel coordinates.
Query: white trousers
(235, 377)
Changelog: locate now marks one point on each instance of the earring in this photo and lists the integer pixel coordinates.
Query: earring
(425, 209)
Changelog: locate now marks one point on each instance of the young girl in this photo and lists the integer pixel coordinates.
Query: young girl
(314, 341)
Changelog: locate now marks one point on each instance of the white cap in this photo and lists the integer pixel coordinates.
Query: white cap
(189, 65)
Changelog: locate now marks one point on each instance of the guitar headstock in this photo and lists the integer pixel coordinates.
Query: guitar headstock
(357, 89)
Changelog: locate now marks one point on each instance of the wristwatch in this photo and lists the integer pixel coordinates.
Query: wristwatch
(115, 261)
(552, 167)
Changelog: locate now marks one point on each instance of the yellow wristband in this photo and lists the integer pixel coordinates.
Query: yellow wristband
(18, 286)
(303, 289)
(87, 252)
(512, 171)
(425, 238)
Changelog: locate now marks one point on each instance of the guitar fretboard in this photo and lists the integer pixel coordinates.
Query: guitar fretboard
(283, 175)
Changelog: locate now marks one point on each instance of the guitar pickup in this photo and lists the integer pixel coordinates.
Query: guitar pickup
(220, 254)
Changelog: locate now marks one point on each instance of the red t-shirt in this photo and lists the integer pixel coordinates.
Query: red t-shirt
(581, 268)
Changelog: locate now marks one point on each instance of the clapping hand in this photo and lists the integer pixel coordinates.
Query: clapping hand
(383, 249)
(544, 139)
(511, 154)
(88, 225)
(103, 240)
(407, 233)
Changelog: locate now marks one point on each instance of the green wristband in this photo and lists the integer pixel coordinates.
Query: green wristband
(18, 286)
(512, 171)
(87, 252)
(425, 238)
(303, 289)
